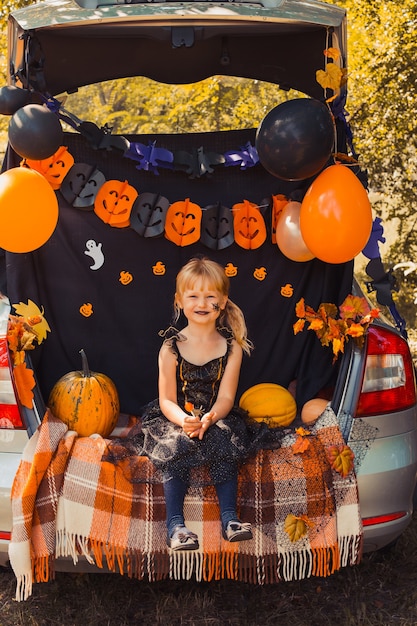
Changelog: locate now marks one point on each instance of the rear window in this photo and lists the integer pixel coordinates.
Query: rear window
(141, 105)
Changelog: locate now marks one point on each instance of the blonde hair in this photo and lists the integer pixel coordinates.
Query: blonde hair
(213, 273)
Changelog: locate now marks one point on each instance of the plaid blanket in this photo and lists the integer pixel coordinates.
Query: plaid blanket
(67, 502)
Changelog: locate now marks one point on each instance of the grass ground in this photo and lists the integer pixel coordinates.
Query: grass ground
(381, 591)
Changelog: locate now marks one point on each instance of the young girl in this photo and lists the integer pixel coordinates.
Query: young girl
(194, 422)
(198, 374)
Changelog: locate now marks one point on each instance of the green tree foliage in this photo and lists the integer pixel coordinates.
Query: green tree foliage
(144, 106)
(382, 106)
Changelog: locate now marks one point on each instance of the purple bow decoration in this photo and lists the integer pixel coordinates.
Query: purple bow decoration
(246, 157)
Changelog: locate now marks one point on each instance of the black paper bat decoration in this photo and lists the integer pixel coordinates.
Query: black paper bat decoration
(197, 163)
(101, 138)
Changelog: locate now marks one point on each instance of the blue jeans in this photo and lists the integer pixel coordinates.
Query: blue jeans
(175, 491)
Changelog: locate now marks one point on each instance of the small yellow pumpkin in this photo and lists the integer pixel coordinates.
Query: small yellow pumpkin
(85, 401)
(270, 403)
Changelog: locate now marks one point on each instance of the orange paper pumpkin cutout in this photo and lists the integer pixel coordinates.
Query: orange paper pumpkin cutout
(249, 225)
(54, 168)
(278, 203)
(183, 223)
(230, 270)
(114, 202)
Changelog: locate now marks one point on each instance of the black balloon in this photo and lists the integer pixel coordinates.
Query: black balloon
(295, 139)
(35, 132)
(13, 98)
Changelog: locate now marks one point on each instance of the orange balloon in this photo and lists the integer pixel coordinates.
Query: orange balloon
(288, 235)
(28, 210)
(336, 215)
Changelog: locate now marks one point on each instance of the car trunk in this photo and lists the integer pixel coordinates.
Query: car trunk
(115, 310)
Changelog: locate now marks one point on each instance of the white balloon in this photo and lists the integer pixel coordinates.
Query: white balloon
(288, 234)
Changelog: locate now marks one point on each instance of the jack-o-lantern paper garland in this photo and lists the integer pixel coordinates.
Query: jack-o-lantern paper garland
(118, 204)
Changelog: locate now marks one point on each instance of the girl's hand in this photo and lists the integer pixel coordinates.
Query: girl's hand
(206, 422)
(191, 425)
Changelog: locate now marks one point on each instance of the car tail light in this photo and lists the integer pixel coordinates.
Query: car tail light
(9, 410)
(389, 381)
(383, 519)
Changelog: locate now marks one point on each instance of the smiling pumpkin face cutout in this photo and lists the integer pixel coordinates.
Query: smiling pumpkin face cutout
(249, 225)
(114, 202)
(54, 168)
(81, 185)
(148, 214)
(183, 223)
(217, 227)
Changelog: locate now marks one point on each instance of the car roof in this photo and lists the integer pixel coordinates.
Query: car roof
(56, 46)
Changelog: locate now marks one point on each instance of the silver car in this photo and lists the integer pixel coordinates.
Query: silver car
(57, 47)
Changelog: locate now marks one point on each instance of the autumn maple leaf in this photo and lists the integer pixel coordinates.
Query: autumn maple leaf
(353, 307)
(296, 526)
(316, 324)
(341, 459)
(34, 317)
(298, 326)
(300, 308)
(301, 443)
(355, 330)
(332, 53)
(25, 382)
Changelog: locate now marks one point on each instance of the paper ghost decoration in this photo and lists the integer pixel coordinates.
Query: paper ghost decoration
(217, 227)
(81, 185)
(148, 214)
(95, 252)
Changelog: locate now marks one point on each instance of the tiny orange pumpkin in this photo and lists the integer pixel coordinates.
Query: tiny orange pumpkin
(86, 401)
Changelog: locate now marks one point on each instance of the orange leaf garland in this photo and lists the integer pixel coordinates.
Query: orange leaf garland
(25, 382)
(341, 459)
(354, 318)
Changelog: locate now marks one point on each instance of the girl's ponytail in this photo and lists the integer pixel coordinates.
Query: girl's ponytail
(232, 317)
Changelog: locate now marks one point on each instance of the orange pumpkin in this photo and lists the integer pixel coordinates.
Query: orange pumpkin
(85, 401)
(270, 403)
(312, 410)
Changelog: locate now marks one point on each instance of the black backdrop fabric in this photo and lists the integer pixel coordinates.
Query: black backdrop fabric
(121, 337)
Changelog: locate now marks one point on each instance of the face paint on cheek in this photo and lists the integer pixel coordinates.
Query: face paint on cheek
(216, 306)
